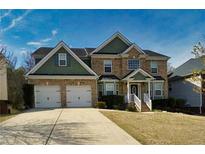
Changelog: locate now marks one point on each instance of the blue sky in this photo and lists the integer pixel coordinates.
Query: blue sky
(170, 32)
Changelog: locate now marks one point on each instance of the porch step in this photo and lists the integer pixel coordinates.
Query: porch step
(144, 108)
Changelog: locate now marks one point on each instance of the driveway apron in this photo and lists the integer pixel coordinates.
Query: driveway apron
(63, 126)
(32, 127)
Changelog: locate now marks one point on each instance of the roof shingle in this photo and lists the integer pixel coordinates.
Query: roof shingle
(193, 64)
(84, 52)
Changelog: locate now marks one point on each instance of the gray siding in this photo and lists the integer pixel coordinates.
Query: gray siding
(50, 67)
(114, 47)
(183, 89)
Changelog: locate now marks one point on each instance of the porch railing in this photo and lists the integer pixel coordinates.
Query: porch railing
(137, 101)
(148, 101)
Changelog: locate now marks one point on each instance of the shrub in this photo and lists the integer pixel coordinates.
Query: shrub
(113, 101)
(101, 105)
(28, 95)
(131, 107)
(171, 102)
(159, 103)
(180, 103)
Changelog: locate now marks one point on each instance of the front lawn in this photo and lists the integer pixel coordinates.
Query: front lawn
(160, 127)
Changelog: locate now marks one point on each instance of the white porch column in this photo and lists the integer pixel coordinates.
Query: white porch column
(128, 92)
(149, 89)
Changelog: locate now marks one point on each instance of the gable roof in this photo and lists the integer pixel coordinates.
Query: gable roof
(84, 52)
(108, 77)
(133, 46)
(130, 75)
(115, 35)
(80, 52)
(193, 64)
(53, 51)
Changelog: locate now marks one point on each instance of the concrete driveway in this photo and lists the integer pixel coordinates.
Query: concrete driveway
(62, 126)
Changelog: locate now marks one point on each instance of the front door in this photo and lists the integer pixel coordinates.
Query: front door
(134, 90)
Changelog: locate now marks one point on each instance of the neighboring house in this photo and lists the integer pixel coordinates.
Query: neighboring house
(183, 85)
(77, 77)
(3, 79)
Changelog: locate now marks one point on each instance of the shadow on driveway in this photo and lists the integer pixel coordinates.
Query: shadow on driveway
(38, 134)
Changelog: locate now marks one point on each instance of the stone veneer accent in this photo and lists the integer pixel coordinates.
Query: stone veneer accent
(120, 68)
(64, 82)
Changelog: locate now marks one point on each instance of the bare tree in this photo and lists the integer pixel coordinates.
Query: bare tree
(197, 75)
(28, 61)
(170, 68)
(198, 50)
(15, 78)
(7, 57)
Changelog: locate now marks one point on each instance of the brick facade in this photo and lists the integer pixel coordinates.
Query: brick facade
(97, 64)
(64, 83)
(120, 68)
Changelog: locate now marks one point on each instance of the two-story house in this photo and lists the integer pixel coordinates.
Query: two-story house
(77, 77)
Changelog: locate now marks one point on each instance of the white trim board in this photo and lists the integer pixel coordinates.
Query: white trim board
(110, 56)
(59, 77)
(133, 46)
(156, 58)
(117, 34)
(52, 52)
(136, 71)
(109, 80)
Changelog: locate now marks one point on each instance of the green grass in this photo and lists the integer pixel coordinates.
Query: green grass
(160, 127)
(4, 117)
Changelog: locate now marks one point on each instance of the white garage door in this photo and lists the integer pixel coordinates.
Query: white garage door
(47, 96)
(78, 96)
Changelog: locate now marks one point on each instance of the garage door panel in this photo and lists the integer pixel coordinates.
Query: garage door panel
(78, 96)
(47, 96)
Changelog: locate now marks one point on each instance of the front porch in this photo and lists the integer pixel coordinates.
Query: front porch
(138, 88)
(139, 94)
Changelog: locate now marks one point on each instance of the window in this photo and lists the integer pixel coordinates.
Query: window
(109, 88)
(108, 66)
(154, 67)
(158, 88)
(100, 90)
(117, 88)
(133, 64)
(62, 59)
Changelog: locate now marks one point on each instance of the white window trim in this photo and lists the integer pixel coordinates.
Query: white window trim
(104, 66)
(113, 90)
(162, 89)
(52, 52)
(65, 59)
(128, 64)
(154, 67)
(116, 88)
(100, 89)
